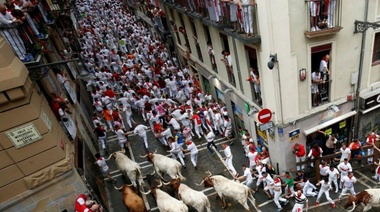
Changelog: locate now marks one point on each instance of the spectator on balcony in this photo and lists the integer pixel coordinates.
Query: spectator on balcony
(255, 79)
(247, 7)
(316, 81)
(329, 11)
(212, 7)
(19, 6)
(314, 13)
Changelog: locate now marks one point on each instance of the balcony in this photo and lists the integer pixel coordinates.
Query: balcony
(323, 19)
(26, 46)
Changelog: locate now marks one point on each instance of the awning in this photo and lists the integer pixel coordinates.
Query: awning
(328, 123)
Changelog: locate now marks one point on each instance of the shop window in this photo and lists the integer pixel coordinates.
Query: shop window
(340, 130)
(238, 116)
(254, 75)
(320, 74)
(210, 48)
(376, 49)
(195, 36)
(324, 17)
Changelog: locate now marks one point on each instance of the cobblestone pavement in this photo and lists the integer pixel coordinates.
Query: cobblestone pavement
(214, 164)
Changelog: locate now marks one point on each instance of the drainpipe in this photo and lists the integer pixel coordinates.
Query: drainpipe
(356, 105)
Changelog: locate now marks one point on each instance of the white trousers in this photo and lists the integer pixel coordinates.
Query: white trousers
(335, 181)
(277, 198)
(247, 18)
(327, 194)
(345, 189)
(301, 159)
(230, 166)
(330, 14)
(180, 155)
(194, 158)
(297, 208)
(145, 139)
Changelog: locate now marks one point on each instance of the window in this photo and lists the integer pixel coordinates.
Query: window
(320, 74)
(210, 48)
(195, 36)
(227, 59)
(254, 76)
(376, 49)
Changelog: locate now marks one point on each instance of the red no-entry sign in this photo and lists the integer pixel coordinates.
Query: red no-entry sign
(264, 116)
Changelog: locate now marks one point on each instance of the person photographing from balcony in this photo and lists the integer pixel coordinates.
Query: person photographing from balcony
(316, 81)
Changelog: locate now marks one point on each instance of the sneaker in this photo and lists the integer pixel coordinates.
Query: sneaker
(313, 29)
(374, 177)
(317, 28)
(336, 191)
(213, 154)
(286, 202)
(333, 205)
(279, 209)
(316, 203)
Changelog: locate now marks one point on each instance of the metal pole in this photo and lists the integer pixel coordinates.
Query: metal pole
(53, 63)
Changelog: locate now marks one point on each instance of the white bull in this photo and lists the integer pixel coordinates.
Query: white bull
(368, 198)
(191, 197)
(228, 188)
(128, 167)
(163, 164)
(166, 203)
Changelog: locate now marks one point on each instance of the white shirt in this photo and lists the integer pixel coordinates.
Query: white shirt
(120, 135)
(348, 182)
(248, 175)
(251, 157)
(345, 168)
(227, 152)
(140, 130)
(323, 169)
(345, 153)
(174, 123)
(333, 174)
(260, 169)
(210, 136)
(325, 186)
(192, 148)
(102, 164)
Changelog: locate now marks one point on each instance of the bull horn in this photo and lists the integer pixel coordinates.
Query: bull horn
(155, 151)
(200, 183)
(119, 189)
(353, 207)
(144, 156)
(111, 156)
(166, 183)
(145, 193)
(154, 172)
(159, 186)
(209, 173)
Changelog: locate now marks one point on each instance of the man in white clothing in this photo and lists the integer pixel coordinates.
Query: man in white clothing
(325, 188)
(276, 187)
(121, 136)
(192, 148)
(333, 174)
(228, 159)
(247, 176)
(140, 130)
(176, 151)
(348, 184)
(344, 169)
(300, 200)
(346, 152)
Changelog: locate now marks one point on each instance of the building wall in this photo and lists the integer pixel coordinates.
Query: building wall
(30, 173)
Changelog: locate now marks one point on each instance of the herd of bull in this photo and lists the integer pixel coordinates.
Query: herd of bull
(165, 192)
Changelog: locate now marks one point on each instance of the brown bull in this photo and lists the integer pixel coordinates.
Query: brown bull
(132, 201)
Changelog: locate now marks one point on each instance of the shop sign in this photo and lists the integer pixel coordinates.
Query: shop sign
(280, 131)
(293, 135)
(342, 124)
(328, 131)
(266, 126)
(23, 135)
